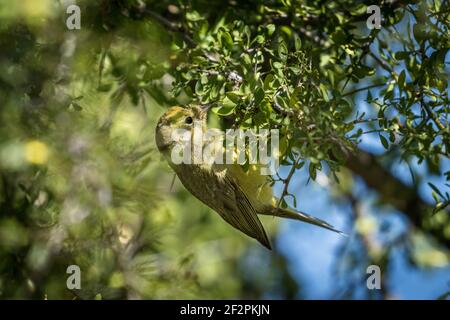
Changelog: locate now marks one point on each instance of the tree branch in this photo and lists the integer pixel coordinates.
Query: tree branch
(395, 192)
(376, 85)
(143, 11)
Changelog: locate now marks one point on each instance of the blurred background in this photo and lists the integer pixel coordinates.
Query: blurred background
(81, 182)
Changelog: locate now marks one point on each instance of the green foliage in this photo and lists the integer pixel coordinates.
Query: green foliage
(81, 182)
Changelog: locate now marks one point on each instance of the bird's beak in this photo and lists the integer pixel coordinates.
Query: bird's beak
(205, 107)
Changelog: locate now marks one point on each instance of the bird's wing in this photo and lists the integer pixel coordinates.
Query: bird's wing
(223, 193)
(242, 215)
(259, 185)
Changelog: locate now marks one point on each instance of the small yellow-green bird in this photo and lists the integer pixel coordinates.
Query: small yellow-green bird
(237, 196)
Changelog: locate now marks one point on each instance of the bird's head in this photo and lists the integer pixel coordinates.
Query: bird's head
(178, 117)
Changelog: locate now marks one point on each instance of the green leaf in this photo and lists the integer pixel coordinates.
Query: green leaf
(338, 153)
(234, 96)
(384, 142)
(312, 171)
(227, 102)
(226, 109)
(204, 79)
(363, 71)
(435, 189)
(446, 295)
(402, 55)
(391, 137)
(339, 36)
(369, 96)
(277, 65)
(283, 204)
(247, 59)
(268, 82)
(227, 39)
(324, 91)
(259, 95)
(104, 87)
(199, 88)
(299, 165)
(260, 39)
(420, 32)
(297, 42)
(282, 51)
(401, 80)
(76, 106)
(193, 16)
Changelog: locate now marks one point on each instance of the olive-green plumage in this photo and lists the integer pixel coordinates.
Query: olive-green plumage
(237, 196)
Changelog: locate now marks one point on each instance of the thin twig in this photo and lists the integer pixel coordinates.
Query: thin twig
(356, 121)
(362, 89)
(432, 115)
(279, 109)
(423, 104)
(287, 181)
(169, 25)
(173, 181)
(382, 63)
(101, 66)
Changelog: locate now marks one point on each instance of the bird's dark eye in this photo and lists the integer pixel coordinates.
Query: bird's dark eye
(188, 120)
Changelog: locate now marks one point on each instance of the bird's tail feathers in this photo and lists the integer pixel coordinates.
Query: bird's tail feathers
(301, 216)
